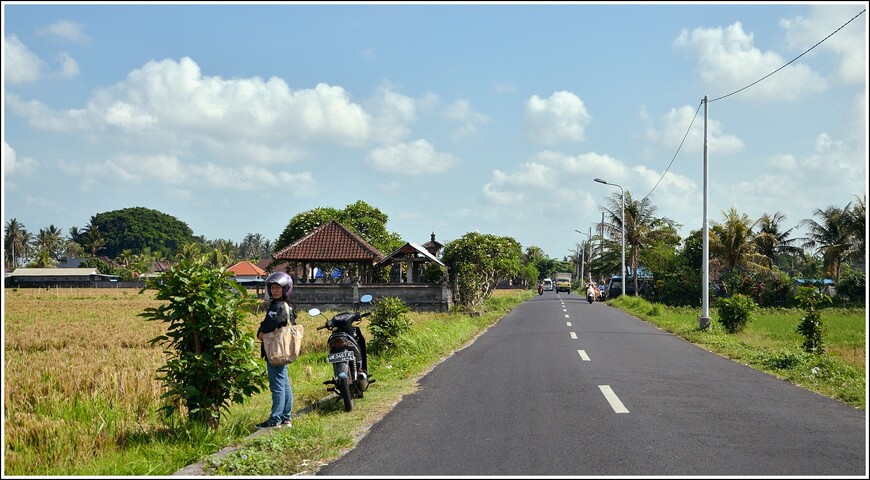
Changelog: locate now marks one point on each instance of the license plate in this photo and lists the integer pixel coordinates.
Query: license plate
(343, 356)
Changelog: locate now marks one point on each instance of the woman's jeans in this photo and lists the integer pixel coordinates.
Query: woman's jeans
(282, 394)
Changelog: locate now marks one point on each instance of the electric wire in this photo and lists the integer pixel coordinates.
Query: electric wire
(740, 90)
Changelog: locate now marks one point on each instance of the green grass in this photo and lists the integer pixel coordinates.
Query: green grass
(770, 343)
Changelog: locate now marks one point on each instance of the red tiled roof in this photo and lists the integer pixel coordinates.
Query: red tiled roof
(331, 242)
(247, 268)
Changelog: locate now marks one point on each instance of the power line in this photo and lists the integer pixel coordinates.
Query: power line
(740, 90)
(792, 61)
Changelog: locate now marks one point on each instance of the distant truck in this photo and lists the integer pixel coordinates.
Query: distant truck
(563, 282)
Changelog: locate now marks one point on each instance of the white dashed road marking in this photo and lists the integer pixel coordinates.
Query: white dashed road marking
(614, 401)
(574, 335)
(583, 355)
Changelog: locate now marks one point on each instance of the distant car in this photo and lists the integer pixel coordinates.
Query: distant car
(548, 285)
(563, 285)
(614, 286)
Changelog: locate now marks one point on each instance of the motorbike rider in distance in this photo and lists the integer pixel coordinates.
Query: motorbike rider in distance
(590, 290)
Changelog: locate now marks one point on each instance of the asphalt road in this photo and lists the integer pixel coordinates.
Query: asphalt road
(562, 387)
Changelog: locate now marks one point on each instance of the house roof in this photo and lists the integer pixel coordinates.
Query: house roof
(433, 245)
(54, 272)
(411, 249)
(246, 268)
(331, 242)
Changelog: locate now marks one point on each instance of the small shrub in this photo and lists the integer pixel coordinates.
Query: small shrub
(389, 320)
(811, 326)
(734, 312)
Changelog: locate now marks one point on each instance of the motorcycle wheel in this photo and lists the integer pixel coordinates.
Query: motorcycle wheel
(343, 385)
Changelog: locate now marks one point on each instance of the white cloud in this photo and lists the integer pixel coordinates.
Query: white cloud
(674, 126)
(460, 111)
(392, 114)
(14, 166)
(561, 117)
(155, 170)
(728, 61)
(171, 104)
(69, 68)
(803, 33)
(67, 30)
(414, 158)
(20, 64)
(553, 179)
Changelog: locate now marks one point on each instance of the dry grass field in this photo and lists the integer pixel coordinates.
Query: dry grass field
(78, 373)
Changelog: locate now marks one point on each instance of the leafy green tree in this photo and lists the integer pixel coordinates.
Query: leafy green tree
(368, 222)
(136, 228)
(477, 263)
(212, 357)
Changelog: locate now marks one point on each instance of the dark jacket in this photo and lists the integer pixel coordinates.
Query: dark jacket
(279, 314)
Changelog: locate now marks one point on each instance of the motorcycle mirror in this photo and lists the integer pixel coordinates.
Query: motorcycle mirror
(366, 298)
(314, 312)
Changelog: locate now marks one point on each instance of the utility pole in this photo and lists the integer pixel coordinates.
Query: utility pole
(704, 319)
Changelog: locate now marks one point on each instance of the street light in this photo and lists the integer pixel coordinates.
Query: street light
(622, 222)
(583, 261)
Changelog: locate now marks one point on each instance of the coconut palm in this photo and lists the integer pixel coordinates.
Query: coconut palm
(831, 237)
(13, 242)
(51, 241)
(857, 223)
(732, 246)
(770, 241)
(642, 228)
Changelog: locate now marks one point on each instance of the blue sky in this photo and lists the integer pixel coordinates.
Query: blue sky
(450, 118)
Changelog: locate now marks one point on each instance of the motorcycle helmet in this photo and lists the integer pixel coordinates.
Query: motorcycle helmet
(283, 279)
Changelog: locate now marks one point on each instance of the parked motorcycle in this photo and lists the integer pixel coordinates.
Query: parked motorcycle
(347, 354)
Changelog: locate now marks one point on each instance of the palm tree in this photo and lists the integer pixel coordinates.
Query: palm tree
(125, 258)
(857, 223)
(12, 242)
(51, 241)
(642, 228)
(251, 247)
(770, 241)
(831, 237)
(731, 243)
(91, 238)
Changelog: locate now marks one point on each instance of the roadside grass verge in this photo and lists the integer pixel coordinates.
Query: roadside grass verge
(770, 343)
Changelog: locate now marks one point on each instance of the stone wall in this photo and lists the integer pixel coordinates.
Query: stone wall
(418, 297)
(428, 298)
